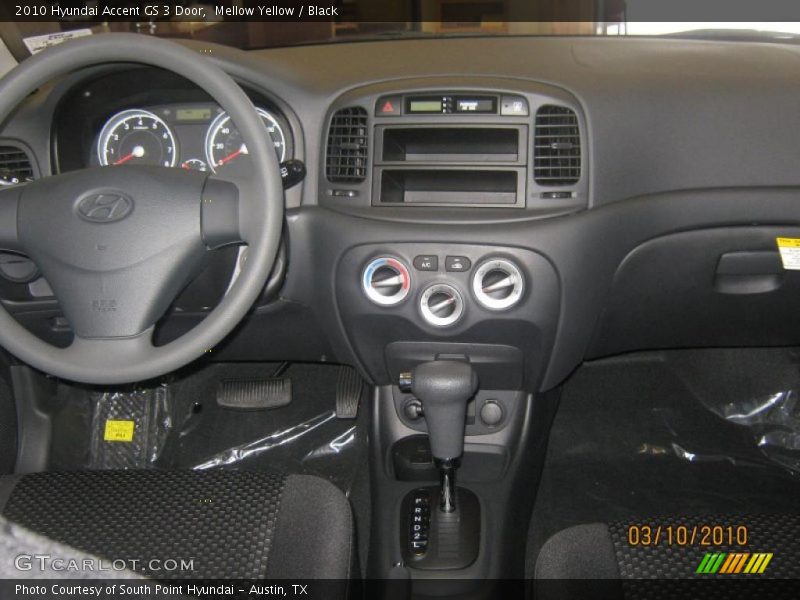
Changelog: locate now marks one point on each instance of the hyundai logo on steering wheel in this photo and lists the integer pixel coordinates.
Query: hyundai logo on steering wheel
(105, 207)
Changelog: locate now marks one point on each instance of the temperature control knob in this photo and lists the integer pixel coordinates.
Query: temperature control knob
(498, 284)
(441, 305)
(386, 281)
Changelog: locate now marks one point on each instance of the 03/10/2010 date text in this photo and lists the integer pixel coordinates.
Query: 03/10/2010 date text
(687, 535)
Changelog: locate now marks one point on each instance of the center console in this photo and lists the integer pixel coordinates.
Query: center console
(494, 309)
(455, 330)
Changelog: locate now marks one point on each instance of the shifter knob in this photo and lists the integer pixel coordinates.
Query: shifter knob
(444, 387)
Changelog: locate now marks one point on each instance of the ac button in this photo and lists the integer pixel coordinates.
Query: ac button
(426, 262)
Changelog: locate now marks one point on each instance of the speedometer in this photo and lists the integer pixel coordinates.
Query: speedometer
(224, 142)
(139, 137)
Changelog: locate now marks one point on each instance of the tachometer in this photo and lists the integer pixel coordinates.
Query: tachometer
(138, 137)
(224, 142)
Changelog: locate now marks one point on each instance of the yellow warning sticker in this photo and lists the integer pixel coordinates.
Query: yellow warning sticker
(790, 253)
(119, 431)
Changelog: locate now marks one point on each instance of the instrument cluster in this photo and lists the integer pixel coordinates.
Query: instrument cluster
(197, 135)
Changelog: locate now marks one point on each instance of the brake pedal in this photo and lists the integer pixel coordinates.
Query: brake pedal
(349, 389)
(254, 394)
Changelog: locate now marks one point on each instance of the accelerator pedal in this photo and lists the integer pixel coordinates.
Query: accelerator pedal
(254, 394)
(349, 390)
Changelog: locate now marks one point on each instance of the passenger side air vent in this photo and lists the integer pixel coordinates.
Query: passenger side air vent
(15, 166)
(346, 160)
(556, 146)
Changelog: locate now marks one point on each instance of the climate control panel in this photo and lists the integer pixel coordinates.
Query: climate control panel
(442, 284)
(457, 298)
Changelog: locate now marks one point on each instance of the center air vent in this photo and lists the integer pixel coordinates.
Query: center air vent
(346, 160)
(386, 281)
(498, 284)
(556, 146)
(15, 166)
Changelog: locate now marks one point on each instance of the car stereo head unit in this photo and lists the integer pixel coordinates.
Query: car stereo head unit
(451, 105)
(463, 103)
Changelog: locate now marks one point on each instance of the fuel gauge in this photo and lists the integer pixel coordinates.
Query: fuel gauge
(194, 164)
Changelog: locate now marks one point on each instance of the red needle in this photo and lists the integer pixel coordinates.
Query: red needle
(137, 152)
(230, 157)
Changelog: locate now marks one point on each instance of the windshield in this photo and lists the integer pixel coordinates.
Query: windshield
(238, 22)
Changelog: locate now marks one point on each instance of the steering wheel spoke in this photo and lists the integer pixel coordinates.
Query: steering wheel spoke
(94, 351)
(9, 202)
(221, 213)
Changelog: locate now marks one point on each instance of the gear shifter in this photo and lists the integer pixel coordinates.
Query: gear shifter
(444, 387)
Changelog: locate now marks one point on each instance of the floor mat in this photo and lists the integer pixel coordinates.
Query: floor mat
(634, 436)
(129, 428)
(194, 432)
(302, 437)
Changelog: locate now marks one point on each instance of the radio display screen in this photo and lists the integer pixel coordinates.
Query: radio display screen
(451, 104)
(475, 105)
(425, 105)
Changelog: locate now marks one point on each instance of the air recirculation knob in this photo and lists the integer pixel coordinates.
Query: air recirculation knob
(498, 284)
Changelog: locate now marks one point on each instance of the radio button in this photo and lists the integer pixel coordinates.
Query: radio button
(514, 106)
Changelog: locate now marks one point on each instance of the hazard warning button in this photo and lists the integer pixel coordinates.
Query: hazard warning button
(389, 106)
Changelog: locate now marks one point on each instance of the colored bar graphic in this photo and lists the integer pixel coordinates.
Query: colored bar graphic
(734, 563)
(701, 568)
(767, 558)
(740, 563)
(726, 566)
(752, 565)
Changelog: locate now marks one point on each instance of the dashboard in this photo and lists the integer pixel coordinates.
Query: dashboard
(436, 211)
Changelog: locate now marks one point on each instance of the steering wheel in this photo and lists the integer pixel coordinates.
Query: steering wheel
(117, 244)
